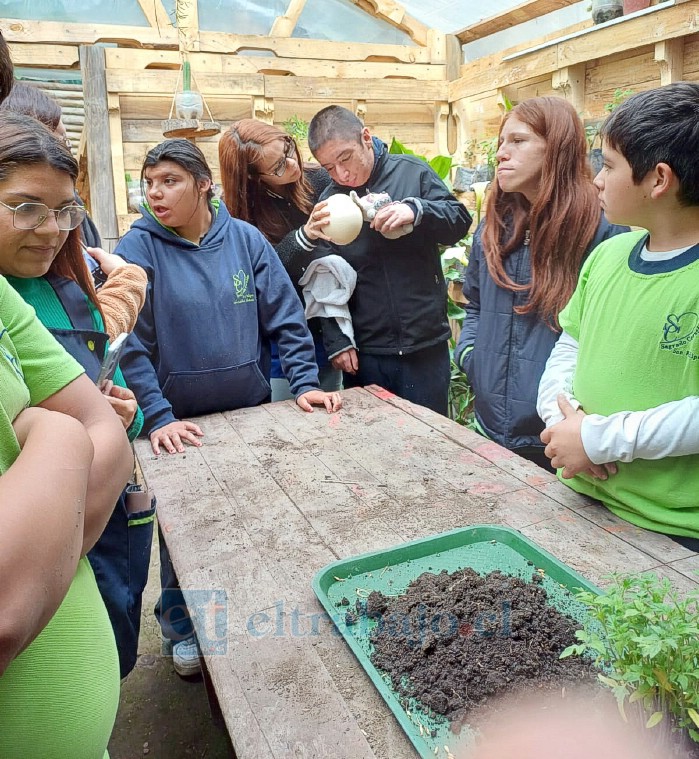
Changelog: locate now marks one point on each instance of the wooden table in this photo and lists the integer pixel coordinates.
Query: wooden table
(275, 494)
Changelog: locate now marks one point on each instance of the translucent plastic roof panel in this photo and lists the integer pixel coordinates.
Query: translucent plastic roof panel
(127, 12)
(240, 16)
(342, 21)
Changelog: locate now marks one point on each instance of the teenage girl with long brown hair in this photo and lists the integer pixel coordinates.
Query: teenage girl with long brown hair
(543, 219)
(266, 183)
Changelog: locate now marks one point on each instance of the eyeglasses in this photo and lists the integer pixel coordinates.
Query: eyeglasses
(279, 168)
(33, 215)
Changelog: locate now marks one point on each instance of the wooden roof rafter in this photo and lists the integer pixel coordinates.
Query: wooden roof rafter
(284, 25)
(521, 13)
(156, 14)
(395, 14)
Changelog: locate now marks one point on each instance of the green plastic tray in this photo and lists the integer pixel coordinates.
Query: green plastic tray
(484, 548)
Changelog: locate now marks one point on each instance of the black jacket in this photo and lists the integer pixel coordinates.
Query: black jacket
(509, 350)
(295, 259)
(400, 303)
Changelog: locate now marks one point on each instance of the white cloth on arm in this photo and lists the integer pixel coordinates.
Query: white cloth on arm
(328, 284)
(671, 429)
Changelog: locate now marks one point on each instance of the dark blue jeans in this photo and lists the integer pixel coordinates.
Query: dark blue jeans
(171, 610)
(120, 560)
(421, 377)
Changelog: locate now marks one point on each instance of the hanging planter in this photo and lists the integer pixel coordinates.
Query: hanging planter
(188, 108)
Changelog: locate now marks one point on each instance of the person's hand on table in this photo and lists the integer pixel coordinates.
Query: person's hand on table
(173, 436)
(331, 401)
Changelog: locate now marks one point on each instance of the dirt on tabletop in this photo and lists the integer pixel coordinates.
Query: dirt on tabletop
(451, 641)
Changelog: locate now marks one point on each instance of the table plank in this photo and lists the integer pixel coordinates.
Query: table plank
(275, 494)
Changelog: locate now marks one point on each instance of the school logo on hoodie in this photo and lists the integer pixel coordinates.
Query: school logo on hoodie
(241, 280)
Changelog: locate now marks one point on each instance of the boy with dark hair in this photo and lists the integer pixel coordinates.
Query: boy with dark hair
(399, 305)
(620, 393)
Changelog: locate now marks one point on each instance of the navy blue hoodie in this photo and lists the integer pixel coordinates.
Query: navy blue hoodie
(210, 312)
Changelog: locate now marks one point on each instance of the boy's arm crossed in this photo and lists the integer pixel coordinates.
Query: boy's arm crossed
(671, 429)
(558, 378)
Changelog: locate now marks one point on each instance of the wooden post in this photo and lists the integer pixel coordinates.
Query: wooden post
(441, 119)
(99, 158)
(263, 109)
(571, 81)
(669, 55)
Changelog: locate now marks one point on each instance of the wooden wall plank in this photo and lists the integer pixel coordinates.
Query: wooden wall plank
(218, 63)
(144, 106)
(49, 32)
(304, 88)
(165, 83)
(518, 15)
(15, 30)
(293, 47)
(665, 23)
(44, 56)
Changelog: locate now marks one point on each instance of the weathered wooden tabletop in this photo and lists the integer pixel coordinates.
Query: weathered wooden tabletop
(275, 494)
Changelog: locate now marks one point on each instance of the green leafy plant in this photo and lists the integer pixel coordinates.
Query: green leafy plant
(645, 638)
(296, 127)
(440, 163)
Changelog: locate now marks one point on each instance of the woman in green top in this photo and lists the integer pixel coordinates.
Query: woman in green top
(56, 282)
(60, 475)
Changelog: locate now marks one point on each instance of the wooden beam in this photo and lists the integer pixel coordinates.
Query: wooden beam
(49, 32)
(117, 153)
(489, 72)
(221, 42)
(521, 13)
(220, 63)
(395, 14)
(156, 14)
(571, 82)
(669, 54)
(99, 143)
(284, 25)
(454, 57)
(53, 56)
(441, 121)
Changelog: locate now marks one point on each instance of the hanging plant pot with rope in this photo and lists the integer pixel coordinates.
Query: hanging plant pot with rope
(188, 108)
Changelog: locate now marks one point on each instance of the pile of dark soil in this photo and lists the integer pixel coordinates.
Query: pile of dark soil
(453, 640)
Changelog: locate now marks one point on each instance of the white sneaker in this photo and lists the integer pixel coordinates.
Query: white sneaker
(185, 657)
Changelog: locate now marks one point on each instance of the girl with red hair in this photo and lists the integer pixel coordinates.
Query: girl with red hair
(266, 183)
(543, 219)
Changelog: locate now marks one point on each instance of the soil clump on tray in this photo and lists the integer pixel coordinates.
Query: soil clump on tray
(453, 640)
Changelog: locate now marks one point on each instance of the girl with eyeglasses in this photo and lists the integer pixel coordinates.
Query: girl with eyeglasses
(41, 257)
(266, 183)
(64, 458)
(121, 287)
(217, 296)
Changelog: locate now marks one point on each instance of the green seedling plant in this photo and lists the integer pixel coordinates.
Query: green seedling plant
(645, 639)
(296, 127)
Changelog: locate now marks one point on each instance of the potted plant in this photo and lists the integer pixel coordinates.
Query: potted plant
(631, 6)
(645, 639)
(606, 10)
